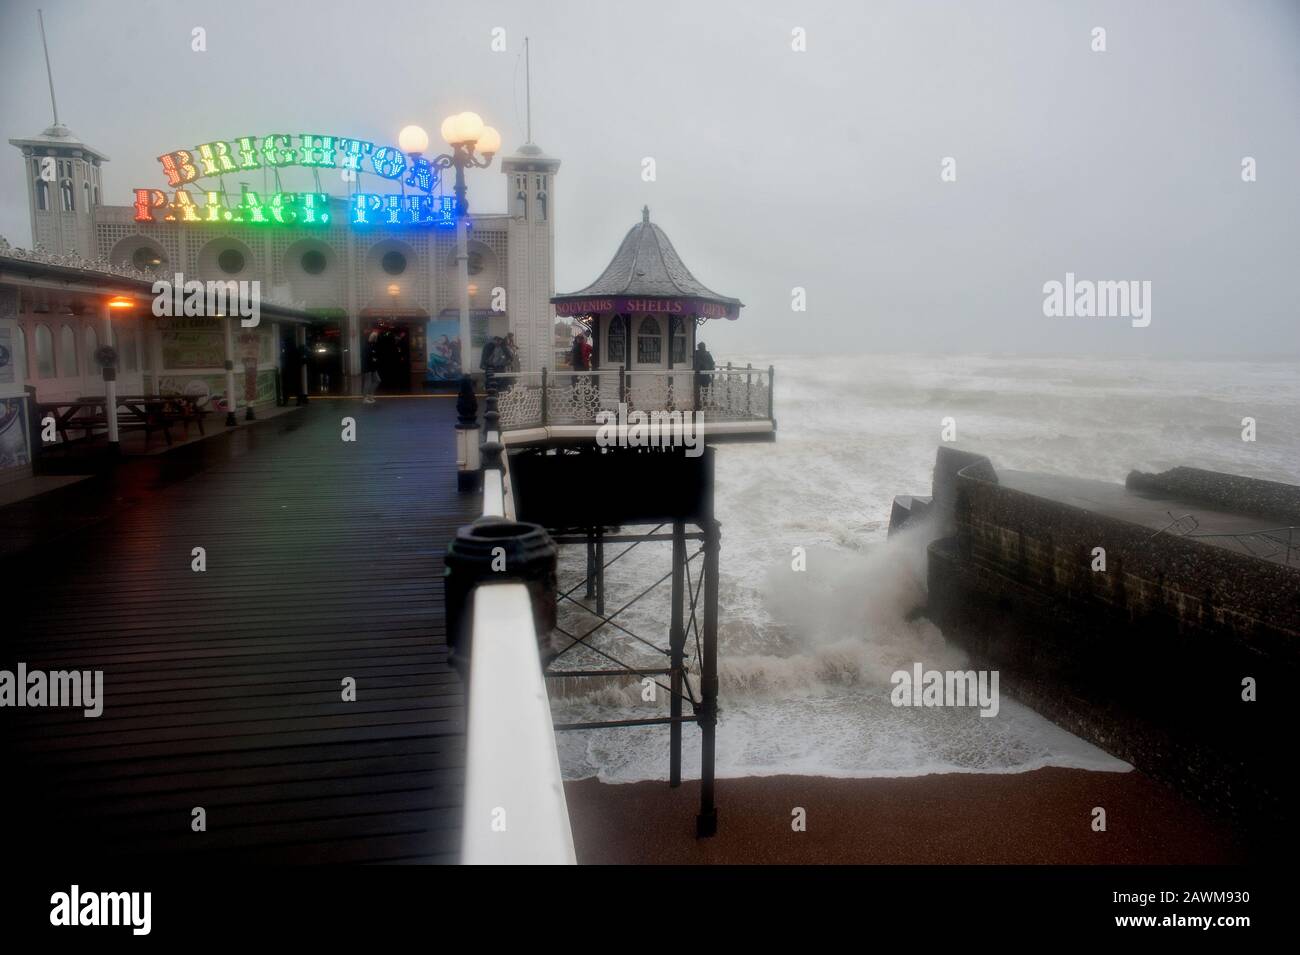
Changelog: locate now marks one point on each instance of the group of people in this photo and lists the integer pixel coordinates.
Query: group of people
(385, 356)
(580, 354)
(499, 355)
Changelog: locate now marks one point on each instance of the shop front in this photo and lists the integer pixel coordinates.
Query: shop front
(72, 334)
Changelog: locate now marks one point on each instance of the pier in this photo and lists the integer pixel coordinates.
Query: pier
(224, 688)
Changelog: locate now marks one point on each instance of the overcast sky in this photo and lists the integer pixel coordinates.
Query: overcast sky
(777, 169)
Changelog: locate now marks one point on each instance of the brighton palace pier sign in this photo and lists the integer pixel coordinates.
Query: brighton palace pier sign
(350, 157)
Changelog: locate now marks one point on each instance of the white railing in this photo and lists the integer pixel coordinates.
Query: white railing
(515, 810)
(541, 399)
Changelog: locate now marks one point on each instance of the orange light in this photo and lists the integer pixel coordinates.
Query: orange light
(120, 301)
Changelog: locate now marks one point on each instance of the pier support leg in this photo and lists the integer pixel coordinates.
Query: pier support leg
(706, 824)
(677, 646)
(600, 571)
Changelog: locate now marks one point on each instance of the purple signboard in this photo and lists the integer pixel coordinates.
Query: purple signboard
(671, 306)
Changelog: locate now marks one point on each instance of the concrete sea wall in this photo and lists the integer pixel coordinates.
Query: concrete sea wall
(1145, 658)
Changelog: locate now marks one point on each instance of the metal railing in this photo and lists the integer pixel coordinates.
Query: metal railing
(1274, 543)
(541, 399)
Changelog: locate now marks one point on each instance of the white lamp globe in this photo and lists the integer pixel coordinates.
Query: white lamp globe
(471, 127)
(489, 141)
(448, 129)
(462, 128)
(413, 139)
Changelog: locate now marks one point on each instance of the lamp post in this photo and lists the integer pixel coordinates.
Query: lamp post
(394, 292)
(231, 401)
(116, 303)
(472, 146)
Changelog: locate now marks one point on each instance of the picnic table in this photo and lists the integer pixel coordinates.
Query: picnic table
(148, 413)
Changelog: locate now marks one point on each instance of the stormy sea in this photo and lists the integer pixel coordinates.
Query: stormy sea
(805, 656)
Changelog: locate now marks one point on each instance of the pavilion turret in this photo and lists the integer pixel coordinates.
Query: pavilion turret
(643, 314)
(644, 297)
(647, 275)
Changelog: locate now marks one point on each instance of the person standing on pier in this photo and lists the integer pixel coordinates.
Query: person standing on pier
(704, 363)
(370, 368)
(575, 355)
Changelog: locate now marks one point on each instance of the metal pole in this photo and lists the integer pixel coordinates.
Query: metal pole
(462, 277)
(54, 105)
(706, 824)
(771, 392)
(545, 410)
(110, 386)
(600, 571)
(231, 420)
(591, 563)
(300, 341)
(677, 645)
(462, 266)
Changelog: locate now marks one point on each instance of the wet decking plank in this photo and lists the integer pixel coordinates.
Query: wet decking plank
(223, 688)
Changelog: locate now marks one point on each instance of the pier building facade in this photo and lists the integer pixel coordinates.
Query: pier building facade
(366, 244)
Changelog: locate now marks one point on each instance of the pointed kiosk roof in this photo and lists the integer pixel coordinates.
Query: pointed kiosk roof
(647, 275)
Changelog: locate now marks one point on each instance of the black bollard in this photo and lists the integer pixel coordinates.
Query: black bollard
(466, 404)
(495, 550)
(490, 454)
(469, 475)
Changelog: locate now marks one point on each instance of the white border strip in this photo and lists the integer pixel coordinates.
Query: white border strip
(515, 810)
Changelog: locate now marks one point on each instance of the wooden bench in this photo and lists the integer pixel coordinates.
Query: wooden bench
(147, 413)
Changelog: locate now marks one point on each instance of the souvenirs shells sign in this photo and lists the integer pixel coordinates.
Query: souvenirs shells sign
(630, 305)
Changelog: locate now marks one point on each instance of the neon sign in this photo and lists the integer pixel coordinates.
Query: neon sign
(276, 151)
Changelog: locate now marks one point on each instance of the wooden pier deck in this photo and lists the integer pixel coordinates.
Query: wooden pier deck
(223, 689)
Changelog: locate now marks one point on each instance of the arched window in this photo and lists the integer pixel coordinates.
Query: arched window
(649, 342)
(42, 195)
(44, 352)
(616, 347)
(67, 352)
(521, 198)
(679, 341)
(85, 193)
(69, 200)
(92, 343)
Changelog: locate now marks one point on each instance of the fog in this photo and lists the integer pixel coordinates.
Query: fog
(777, 168)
